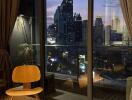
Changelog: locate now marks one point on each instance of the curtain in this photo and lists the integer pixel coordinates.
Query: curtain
(8, 15)
(126, 6)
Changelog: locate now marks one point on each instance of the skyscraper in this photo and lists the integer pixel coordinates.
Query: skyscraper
(63, 19)
(116, 24)
(107, 34)
(98, 32)
(77, 28)
(84, 31)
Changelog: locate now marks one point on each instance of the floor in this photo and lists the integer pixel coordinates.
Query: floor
(59, 95)
(63, 95)
(20, 98)
(99, 92)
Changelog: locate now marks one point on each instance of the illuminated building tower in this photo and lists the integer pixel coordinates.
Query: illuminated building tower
(116, 25)
(98, 32)
(63, 19)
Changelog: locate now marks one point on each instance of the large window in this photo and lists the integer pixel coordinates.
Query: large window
(66, 38)
(111, 51)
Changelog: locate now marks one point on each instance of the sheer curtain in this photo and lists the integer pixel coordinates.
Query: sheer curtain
(126, 6)
(8, 15)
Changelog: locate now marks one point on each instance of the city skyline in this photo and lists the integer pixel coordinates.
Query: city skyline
(77, 8)
(101, 9)
(62, 12)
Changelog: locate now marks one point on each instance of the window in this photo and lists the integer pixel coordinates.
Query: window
(65, 39)
(111, 51)
(66, 51)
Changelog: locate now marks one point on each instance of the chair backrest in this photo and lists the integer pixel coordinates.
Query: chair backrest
(26, 74)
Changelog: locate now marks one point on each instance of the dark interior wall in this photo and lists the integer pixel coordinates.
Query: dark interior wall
(27, 7)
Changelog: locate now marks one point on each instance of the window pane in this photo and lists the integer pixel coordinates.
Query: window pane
(66, 44)
(111, 51)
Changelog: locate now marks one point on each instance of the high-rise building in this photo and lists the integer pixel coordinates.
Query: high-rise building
(116, 24)
(63, 19)
(98, 32)
(107, 34)
(77, 28)
(84, 31)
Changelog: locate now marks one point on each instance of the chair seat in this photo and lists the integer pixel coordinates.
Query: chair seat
(23, 92)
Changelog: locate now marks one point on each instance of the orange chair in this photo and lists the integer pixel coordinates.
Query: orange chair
(25, 74)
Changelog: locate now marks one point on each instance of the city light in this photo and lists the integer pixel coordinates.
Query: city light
(53, 59)
(51, 40)
(83, 79)
(83, 67)
(65, 54)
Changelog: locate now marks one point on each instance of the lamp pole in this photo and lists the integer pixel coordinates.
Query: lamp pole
(31, 29)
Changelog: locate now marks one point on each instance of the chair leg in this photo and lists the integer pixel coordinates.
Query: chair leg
(37, 97)
(10, 98)
(2, 97)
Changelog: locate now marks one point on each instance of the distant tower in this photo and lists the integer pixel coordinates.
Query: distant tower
(85, 31)
(107, 34)
(77, 28)
(116, 24)
(99, 32)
